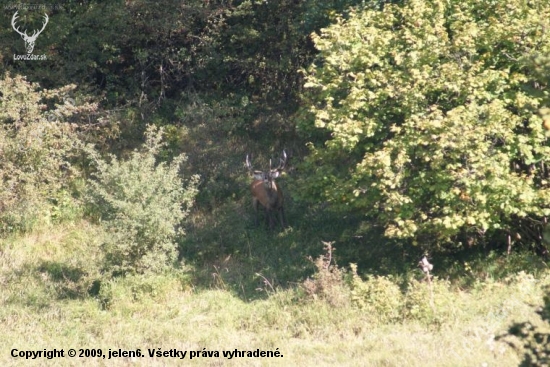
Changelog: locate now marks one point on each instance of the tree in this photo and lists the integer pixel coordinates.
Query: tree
(425, 117)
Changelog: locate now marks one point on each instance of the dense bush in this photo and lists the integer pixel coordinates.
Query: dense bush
(142, 204)
(37, 142)
(378, 295)
(424, 115)
(427, 302)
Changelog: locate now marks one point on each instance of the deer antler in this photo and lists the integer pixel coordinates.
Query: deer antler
(282, 161)
(248, 165)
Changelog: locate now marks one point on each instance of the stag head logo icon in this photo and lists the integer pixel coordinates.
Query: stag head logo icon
(29, 40)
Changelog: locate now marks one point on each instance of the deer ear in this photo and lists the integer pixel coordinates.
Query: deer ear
(275, 174)
(258, 176)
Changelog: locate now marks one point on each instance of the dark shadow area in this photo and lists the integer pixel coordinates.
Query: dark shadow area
(229, 252)
(42, 285)
(68, 281)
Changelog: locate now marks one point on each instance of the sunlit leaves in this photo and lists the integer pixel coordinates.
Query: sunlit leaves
(435, 105)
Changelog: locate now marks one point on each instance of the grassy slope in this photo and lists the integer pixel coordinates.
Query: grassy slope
(44, 277)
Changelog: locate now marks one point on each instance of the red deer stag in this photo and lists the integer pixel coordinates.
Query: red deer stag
(267, 193)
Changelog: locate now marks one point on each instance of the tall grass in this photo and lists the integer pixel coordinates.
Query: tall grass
(54, 297)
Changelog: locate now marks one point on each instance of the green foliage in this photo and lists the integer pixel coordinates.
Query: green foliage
(37, 143)
(428, 302)
(142, 205)
(431, 111)
(382, 297)
(63, 207)
(466, 269)
(142, 288)
(144, 53)
(378, 295)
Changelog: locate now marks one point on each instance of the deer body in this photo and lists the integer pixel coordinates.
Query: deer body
(271, 198)
(267, 193)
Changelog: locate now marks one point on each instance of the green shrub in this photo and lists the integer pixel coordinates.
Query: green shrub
(382, 297)
(428, 303)
(37, 142)
(378, 295)
(63, 207)
(142, 205)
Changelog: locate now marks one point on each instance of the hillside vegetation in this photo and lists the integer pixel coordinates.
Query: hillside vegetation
(408, 129)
